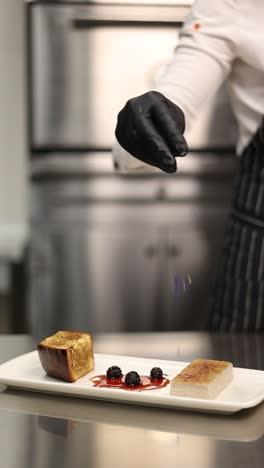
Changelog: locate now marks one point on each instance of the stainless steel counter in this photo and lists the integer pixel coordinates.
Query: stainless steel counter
(38, 431)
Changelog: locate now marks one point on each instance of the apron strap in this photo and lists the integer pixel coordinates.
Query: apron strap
(244, 218)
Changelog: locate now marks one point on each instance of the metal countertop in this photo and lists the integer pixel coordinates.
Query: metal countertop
(40, 431)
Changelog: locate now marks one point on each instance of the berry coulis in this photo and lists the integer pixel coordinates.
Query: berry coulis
(146, 383)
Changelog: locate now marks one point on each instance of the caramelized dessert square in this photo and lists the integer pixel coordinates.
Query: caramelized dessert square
(67, 355)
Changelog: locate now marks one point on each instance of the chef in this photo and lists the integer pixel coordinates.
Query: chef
(221, 39)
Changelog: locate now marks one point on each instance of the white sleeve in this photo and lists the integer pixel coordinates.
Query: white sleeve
(203, 58)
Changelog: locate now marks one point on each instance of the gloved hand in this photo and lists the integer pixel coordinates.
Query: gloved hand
(151, 127)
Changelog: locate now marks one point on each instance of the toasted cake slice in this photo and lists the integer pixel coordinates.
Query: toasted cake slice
(67, 355)
(202, 378)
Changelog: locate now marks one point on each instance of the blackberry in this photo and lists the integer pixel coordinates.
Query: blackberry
(114, 372)
(156, 373)
(132, 379)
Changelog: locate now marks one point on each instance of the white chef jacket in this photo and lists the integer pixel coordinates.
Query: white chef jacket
(220, 39)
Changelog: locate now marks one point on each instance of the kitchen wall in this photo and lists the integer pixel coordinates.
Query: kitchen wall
(13, 123)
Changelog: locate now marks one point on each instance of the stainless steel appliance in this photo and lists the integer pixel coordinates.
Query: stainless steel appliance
(88, 59)
(107, 251)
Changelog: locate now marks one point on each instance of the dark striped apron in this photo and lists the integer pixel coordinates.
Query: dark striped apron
(238, 295)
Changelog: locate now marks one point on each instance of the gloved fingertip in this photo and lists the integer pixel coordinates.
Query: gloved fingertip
(171, 169)
(181, 149)
(169, 166)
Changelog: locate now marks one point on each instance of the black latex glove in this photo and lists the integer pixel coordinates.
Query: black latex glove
(151, 127)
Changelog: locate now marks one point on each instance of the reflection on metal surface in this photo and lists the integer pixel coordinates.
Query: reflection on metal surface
(62, 427)
(64, 414)
(155, 447)
(164, 438)
(202, 447)
(100, 442)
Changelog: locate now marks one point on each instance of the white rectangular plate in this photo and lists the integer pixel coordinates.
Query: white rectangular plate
(25, 372)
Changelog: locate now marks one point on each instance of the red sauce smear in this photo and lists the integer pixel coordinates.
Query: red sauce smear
(146, 383)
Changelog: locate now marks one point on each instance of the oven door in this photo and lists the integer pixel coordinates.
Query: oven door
(88, 60)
